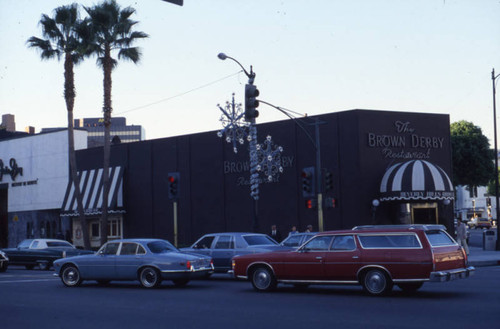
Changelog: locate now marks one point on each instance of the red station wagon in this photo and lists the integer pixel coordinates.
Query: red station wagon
(376, 257)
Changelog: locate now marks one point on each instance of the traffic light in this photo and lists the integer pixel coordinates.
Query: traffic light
(329, 202)
(308, 188)
(311, 203)
(251, 103)
(328, 181)
(173, 185)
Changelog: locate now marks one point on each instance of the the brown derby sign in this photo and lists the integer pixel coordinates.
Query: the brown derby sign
(13, 170)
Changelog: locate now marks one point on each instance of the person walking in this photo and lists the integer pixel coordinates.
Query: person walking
(462, 235)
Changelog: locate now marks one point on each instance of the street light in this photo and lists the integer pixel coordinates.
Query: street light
(254, 175)
(493, 80)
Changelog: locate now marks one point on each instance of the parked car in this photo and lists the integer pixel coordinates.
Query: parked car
(4, 261)
(483, 223)
(148, 260)
(41, 252)
(376, 257)
(297, 239)
(222, 247)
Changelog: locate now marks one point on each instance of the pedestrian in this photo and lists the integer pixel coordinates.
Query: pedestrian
(309, 228)
(293, 231)
(275, 234)
(462, 235)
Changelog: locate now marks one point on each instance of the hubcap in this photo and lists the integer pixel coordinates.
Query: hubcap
(375, 282)
(262, 279)
(70, 276)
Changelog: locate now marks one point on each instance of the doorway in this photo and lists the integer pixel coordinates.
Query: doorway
(424, 213)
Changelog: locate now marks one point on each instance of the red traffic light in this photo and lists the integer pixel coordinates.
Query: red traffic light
(171, 179)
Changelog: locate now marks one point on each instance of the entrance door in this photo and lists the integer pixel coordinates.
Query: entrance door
(4, 223)
(424, 213)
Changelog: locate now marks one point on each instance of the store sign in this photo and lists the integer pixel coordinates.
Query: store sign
(13, 170)
(405, 143)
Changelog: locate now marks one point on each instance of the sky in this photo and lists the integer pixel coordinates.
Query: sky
(312, 57)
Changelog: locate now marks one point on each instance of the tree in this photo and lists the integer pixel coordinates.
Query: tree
(472, 156)
(112, 31)
(63, 34)
(491, 186)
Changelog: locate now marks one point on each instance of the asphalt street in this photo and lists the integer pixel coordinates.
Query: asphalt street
(36, 299)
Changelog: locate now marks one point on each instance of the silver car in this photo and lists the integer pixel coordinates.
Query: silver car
(222, 247)
(148, 260)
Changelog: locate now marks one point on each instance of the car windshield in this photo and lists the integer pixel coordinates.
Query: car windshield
(257, 240)
(24, 244)
(292, 241)
(158, 247)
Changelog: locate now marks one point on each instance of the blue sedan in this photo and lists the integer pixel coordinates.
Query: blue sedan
(148, 260)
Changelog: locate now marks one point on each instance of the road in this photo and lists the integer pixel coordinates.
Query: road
(36, 299)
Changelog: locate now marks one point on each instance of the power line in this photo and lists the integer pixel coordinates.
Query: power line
(180, 94)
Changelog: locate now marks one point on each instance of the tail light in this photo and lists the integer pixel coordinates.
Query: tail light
(188, 265)
(466, 260)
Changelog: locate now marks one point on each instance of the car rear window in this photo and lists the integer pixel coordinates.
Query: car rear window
(258, 240)
(389, 241)
(439, 238)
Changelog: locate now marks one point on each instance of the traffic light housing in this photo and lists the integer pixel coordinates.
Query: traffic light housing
(308, 179)
(328, 181)
(251, 102)
(173, 179)
(329, 202)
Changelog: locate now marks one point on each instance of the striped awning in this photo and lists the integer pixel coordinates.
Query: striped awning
(415, 180)
(91, 188)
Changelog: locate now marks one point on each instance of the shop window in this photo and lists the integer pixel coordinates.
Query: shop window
(114, 229)
(94, 230)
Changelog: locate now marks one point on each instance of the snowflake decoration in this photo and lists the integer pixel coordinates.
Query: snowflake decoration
(269, 159)
(235, 128)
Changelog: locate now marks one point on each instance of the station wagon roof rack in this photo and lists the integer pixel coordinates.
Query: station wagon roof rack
(425, 227)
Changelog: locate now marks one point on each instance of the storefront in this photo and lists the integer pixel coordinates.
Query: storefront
(386, 168)
(33, 177)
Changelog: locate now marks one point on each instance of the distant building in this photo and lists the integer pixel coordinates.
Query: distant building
(8, 122)
(119, 132)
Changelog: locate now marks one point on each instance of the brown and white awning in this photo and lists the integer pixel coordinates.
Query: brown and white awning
(416, 180)
(91, 188)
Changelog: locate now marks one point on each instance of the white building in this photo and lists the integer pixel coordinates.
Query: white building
(468, 203)
(34, 172)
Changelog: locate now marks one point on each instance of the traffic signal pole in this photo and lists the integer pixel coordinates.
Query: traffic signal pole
(175, 223)
(318, 177)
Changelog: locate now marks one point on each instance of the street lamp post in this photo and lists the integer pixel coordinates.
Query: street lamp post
(254, 175)
(493, 79)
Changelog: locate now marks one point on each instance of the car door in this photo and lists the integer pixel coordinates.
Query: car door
(223, 252)
(342, 261)
(307, 262)
(102, 266)
(130, 258)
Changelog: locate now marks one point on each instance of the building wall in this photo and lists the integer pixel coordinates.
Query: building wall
(214, 183)
(35, 194)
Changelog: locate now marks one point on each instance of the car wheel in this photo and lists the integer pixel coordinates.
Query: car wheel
(180, 282)
(44, 266)
(149, 277)
(410, 287)
(263, 279)
(376, 282)
(70, 276)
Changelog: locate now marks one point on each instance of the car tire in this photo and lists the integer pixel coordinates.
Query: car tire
(263, 279)
(376, 282)
(180, 282)
(410, 287)
(149, 277)
(44, 266)
(70, 276)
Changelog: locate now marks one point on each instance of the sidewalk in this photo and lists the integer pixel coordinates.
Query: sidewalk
(479, 257)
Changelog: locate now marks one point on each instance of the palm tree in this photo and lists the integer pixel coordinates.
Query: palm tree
(63, 35)
(111, 32)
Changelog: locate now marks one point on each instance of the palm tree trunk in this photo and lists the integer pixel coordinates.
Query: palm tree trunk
(69, 96)
(107, 67)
